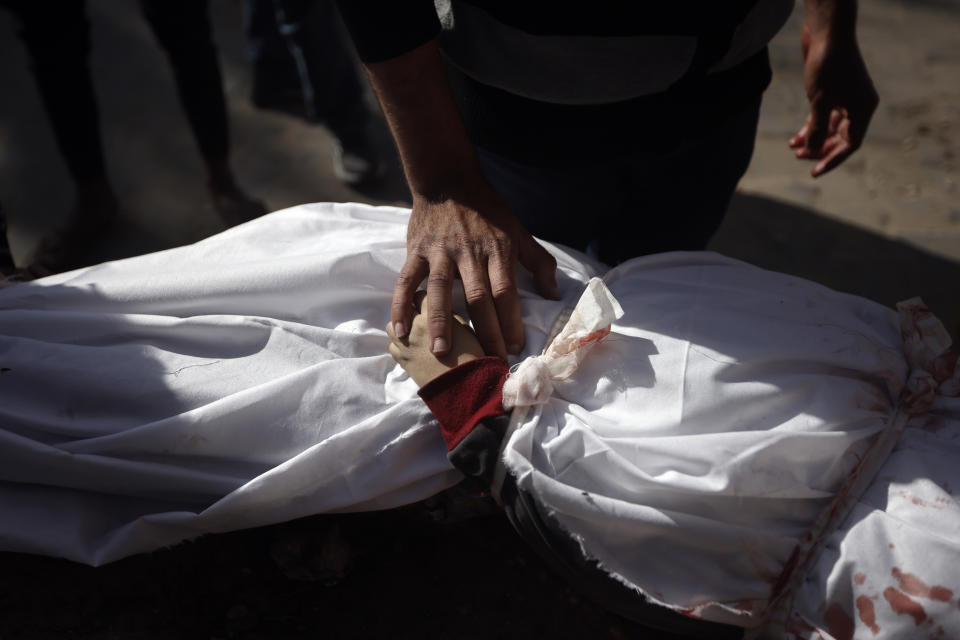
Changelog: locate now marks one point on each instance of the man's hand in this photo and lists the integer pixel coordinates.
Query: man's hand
(841, 93)
(459, 225)
(475, 236)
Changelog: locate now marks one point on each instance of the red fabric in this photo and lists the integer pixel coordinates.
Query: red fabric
(465, 395)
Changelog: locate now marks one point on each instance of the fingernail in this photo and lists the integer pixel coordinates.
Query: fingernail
(439, 345)
(399, 329)
(514, 348)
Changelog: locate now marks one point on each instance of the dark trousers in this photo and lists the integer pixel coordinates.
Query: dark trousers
(6, 257)
(183, 29)
(321, 52)
(647, 202)
(57, 38)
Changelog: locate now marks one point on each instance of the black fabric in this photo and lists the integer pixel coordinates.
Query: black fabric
(329, 77)
(384, 29)
(555, 135)
(6, 257)
(58, 41)
(614, 17)
(641, 204)
(476, 455)
(183, 29)
(546, 134)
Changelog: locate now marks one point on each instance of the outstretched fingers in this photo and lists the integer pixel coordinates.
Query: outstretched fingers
(506, 301)
(439, 308)
(480, 305)
(414, 270)
(819, 129)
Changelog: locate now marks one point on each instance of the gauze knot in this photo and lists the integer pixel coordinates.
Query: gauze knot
(533, 381)
(530, 384)
(934, 366)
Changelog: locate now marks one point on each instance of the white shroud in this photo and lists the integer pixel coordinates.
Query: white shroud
(698, 452)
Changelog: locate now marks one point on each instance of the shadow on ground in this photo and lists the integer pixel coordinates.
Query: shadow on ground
(784, 237)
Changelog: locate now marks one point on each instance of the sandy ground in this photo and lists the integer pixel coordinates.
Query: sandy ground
(886, 225)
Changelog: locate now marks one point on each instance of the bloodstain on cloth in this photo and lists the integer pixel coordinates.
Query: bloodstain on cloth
(904, 605)
(913, 585)
(867, 614)
(839, 623)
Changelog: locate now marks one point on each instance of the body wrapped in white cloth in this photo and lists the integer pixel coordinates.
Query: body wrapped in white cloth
(744, 446)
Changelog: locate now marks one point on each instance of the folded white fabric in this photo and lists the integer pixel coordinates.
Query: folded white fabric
(236, 382)
(736, 448)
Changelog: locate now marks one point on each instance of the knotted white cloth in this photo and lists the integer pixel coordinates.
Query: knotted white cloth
(532, 381)
(933, 365)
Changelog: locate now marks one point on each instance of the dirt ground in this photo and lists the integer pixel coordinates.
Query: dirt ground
(886, 225)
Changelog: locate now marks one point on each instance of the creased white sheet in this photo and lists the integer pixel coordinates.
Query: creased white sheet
(245, 380)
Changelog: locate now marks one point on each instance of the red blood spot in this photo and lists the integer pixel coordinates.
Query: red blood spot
(913, 585)
(941, 594)
(901, 605)
(892, 545)
(859, 578)
(839, 623)
(867, 615)
(934, 424)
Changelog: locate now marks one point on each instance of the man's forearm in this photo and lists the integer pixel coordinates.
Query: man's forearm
(833, 17)
(436, 153)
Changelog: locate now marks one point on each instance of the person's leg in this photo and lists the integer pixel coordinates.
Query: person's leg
(557, 205)
(330, 82)
(675, 202)
(58, 42)
(275, 80)
(183, 29)
(7, 267)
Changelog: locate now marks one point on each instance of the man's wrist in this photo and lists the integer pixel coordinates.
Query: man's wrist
(458, 179)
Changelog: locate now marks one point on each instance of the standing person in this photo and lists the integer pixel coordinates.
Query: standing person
(58, 42)
(610, 128)
(329, 84)
(183, 29)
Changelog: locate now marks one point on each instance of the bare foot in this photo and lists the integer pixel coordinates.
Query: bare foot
(414, 354)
